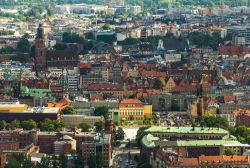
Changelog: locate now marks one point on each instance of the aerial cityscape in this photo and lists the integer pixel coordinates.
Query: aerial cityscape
(125, 83)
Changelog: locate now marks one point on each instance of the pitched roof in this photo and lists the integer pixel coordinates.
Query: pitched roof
(232, 50)
(235, 159)
(153, 73)
(211, 160)
(128, 102)
(192, 162)
(242, 112)
(103, 86)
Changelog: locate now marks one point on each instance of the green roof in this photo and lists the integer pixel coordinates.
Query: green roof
(35, 92)
(186, 130)
(148, 140)
(39, 92)
(207, 143)
(151, 141)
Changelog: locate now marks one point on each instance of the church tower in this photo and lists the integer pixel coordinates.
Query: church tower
(40, 56)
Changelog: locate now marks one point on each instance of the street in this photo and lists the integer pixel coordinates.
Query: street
(122, 159)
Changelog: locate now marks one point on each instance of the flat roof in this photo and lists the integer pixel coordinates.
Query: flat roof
(151, 141)
(186, 130)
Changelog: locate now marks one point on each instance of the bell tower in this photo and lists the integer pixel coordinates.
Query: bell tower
(40, 56)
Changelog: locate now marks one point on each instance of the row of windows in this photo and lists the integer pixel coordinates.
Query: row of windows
(131, 113)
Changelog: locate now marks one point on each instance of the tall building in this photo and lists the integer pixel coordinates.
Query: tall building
(99, 144)
(240, 31)
(117, 73)
(40, 50)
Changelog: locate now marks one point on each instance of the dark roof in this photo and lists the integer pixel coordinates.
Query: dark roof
(175, 44)
(68, 54)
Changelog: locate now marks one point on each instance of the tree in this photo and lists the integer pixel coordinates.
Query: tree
(45, 163)
(84, 127)
(99, 125)
(92, 162)
(13, 163)
(229, 152)
(63, 160)
(157, 84)
(28, 124)
(23, 44)
(107, 38)
(3, 124)
(214, 121)
(106, 27)
(79, 161)
(51, 125)
(19, 161)
(241, 133)
(68, 110)
(102, 111)
(119, 134)
(15, 124)
(99, 160)
(140, 134)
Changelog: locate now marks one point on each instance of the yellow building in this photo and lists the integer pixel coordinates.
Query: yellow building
(193, 110)
(134, 110)
(148, 111)
(13, 108)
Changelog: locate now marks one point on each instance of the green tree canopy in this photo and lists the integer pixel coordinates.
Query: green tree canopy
(28, 124)
(84, 127)
(106, 27)
(99, 126)
(119, 134)
(214, 121)
(51, 125)
(102, 111)
(68, 110)
(229, 152)
(3, 124)
(23, 44)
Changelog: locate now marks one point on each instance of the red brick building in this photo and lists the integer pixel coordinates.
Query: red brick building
(242, 117)
(100, 144)
(3, 159)
(46, 141)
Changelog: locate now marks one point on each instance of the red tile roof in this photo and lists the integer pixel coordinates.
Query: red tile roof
(56, 88)
(104, 86)
(232, 50)
(145, 73)
(184, 86)
(187, 162)
(236, 159)
(96, 96)
(211, 160)
(229, 98)
(133, 102)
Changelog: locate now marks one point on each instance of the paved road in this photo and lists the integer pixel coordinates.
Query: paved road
(121, 158)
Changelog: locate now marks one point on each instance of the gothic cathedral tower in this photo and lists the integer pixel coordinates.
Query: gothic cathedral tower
(40, 56)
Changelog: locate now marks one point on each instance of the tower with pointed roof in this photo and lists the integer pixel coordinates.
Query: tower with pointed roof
(40, 50)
